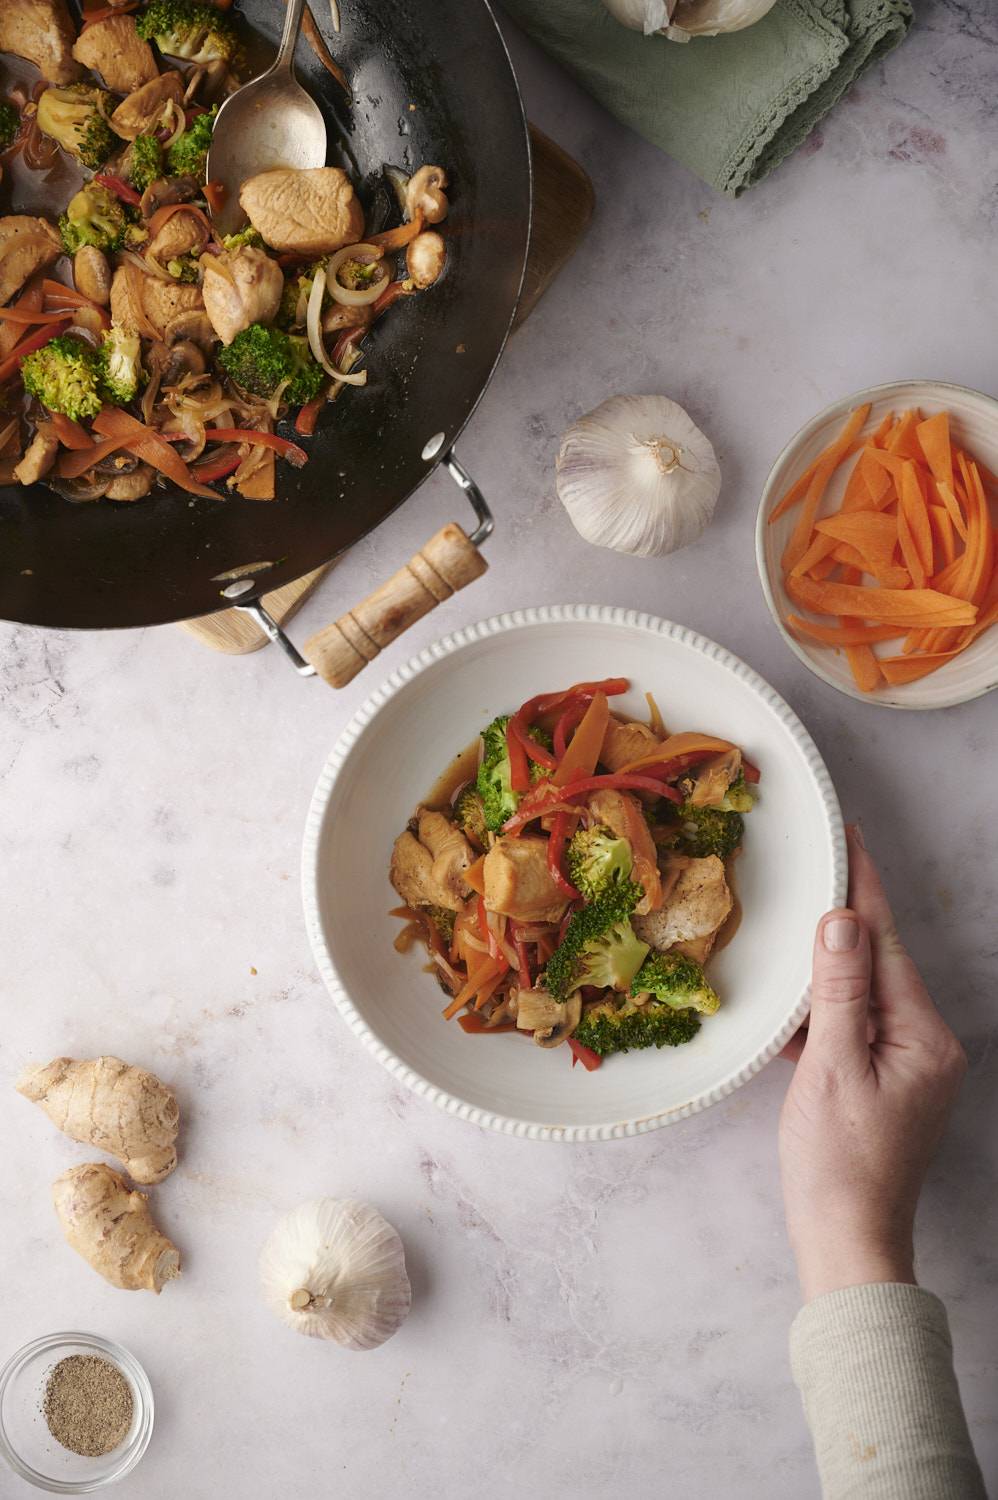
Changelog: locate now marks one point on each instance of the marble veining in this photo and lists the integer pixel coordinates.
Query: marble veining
(587, 1321)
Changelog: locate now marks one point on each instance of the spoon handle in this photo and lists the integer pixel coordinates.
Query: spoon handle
(289, 37)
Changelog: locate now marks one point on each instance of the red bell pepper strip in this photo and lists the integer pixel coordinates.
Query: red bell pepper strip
(542, 798)
(28, 346)
(752, 773)
(522, 961)
(546, 703)
(119, 187)
(589, 1059)
(539, 753)
(568, 721)
(282, 446)
(216, 468)
(309, 415)
(556, 855)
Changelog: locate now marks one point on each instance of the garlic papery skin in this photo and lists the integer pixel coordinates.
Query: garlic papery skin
(681, 19)
(713, 17)
(335, 1269)
(638, 476)
(649, 16)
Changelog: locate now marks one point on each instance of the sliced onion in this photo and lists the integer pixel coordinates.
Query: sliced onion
(218, 264)
(334, 11)
(399, 181)
(272, 403)
(157, 269)
(355, 296)
(172, 108)
(315, 337)
(149, 396)
(196, 76)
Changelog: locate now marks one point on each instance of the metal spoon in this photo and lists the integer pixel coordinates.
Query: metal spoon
(269, 122)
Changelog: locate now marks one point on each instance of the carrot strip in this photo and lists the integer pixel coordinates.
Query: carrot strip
(909, 551)
(70, 433)
(842, 635)
(492, 968)
(582, 755)
(952, 504)
(903, 442)
(19, 315)
(28, 345)
(474, 876)
(72, 465)
(112, 422)
(801, 535)
(862, 662)
(934, 441)
(914, 506)
(943, 532)
(902, 606)
(394, 239)
(883, 432)
(800, 487)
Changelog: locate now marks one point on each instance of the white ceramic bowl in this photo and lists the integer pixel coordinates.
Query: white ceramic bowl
(793, 868)
(975, 423)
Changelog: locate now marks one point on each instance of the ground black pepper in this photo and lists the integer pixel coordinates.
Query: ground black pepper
(88, 1404)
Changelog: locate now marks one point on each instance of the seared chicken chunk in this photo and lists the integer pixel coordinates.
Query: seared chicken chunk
(697, 908)
(451, 853)
(142, 111)
(114, 49)
(163, 300)
(26, 246)
(623, 743)
(246, 288)
(622, 813)
(39, 456)
(410, 871)
(41, 31)
(519, 883)
(125, 310)
(312, 211)
(184, 233)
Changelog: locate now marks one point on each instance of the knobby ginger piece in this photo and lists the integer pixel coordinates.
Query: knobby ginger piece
(112, 1228)
(106, 1103)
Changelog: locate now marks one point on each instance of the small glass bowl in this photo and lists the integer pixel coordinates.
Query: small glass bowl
(25, 1440)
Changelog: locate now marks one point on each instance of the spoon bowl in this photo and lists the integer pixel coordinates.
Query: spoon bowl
(270, 122)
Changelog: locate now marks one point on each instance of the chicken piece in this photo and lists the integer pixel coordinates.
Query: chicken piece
(451, 853)
(27, 245)
(41, 31)
(163, 300)
(142, 111)
(623, 743)
(310, 211)
(184, 233)
(519, 883)
(622, 813)
(125, 310)
(411, 872)
(114, 49)
(250, 292)
(696, 909)
(39, 456)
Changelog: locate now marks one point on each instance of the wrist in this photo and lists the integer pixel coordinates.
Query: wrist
(837, 1263)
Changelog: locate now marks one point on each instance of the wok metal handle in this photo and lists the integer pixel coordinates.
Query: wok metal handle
(447, 562)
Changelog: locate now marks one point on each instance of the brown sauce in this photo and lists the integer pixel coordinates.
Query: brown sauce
(459, 772)
(733, 920)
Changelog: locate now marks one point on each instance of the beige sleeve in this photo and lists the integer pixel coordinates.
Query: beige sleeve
(874, 1365)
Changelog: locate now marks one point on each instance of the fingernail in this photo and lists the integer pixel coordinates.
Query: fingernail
(841, 934)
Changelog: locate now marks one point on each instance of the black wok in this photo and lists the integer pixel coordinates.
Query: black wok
(431, 83)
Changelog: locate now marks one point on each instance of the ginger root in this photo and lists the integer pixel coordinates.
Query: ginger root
(112, 1228)
(106, 1103)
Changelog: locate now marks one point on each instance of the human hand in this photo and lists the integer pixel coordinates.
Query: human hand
(876, 1074)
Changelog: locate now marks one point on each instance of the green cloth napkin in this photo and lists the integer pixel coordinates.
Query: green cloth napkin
(728, 107)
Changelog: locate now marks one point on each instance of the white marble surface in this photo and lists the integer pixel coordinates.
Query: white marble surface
(587, 1322)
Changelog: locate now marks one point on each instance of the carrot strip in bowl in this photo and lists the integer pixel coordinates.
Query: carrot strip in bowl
(112, 422)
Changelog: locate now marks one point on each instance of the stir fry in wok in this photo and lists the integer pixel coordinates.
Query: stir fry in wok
(574, 881)
(138, 347)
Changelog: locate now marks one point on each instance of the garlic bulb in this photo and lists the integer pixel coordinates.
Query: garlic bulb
(335, 1269)
(638, 476)
(681, 19)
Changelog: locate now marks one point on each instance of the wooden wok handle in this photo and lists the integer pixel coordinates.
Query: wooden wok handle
(448, 561)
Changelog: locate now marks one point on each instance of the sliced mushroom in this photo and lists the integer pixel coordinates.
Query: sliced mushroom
(92, 274)
(549, 1019)
(424, 195)
(175, 361)
(167, 190)
(339, 317)
(562, 1029)
(425, 258)
(131, 486)
(194, 326)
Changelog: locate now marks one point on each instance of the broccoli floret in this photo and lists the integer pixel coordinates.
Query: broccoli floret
(121, 366)
(677, 981)
(627, 1027)
(143, 162)
(600, 946)
(248, 236)
(469, 812)
(294, 298)
(189, 152)
(71, 116)
(94, 216)
(10, 124)
(260, 358)
(595, 858)
(184, 268)
(443, 921)
(184, 28)
(707, 830)
(493, 783)
(65, 375)
(739, 797)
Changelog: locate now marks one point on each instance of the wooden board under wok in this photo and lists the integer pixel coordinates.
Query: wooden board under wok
(431, 83)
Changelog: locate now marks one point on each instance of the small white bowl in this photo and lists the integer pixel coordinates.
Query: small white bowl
(975, 423)
(792, 869)
(25, 1440)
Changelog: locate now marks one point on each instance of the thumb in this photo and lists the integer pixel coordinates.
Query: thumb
(840, 987)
